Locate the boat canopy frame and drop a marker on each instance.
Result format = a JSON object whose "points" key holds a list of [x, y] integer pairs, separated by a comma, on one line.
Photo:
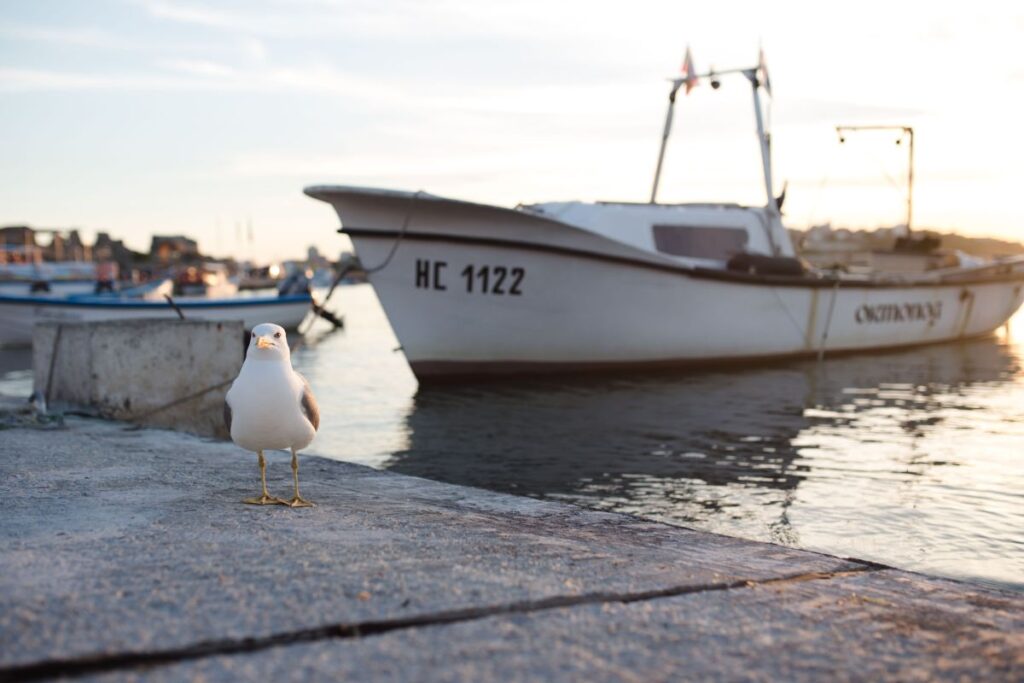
{"points": [[763, 137]]}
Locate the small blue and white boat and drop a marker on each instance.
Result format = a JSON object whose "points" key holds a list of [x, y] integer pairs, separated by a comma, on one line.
{"points": [[19, 313]]}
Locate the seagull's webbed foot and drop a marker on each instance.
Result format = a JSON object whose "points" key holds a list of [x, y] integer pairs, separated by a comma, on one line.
{"points": [[265, 499], [299, 502]]}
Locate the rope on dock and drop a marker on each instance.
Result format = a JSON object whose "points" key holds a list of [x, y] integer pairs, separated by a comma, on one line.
{"points": [[53, 363], [183, 399]]}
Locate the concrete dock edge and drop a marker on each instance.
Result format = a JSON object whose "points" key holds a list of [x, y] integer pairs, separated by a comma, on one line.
{"points": [[128, 556]]}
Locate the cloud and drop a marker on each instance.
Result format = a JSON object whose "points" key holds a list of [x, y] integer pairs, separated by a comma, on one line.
{"points": [[204, 75], [262, 19], [248, 48], [198, 67], [84, 36], [192, 14], [590, 100], [801, 111], [538, 20], [20, 80], [254, 50]]}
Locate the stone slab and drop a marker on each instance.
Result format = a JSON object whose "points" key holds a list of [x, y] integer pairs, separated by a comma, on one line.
{"points": [[120, 541], [879, 626]]}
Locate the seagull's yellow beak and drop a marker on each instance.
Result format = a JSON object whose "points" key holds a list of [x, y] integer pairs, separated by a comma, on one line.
{"points": [[264, 343]]}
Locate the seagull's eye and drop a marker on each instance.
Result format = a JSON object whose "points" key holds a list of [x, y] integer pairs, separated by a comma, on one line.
{"points": [[253, 335], [277, 335]]}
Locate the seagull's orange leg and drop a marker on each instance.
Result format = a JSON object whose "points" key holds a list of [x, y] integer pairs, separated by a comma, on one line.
{"points": [[266, 498], [298, 501]]}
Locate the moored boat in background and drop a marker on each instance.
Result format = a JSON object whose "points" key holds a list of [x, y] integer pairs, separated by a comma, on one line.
{"points": [[20, 313], [61, 278], [473, 289]]}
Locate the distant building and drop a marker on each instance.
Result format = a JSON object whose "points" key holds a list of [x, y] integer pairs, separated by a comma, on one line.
{"points": [[819, 233], [18, 236], [69, 248], [18, 244], [108, 249], [75, 249], [54, 251], [166, 249], [315, 259]]}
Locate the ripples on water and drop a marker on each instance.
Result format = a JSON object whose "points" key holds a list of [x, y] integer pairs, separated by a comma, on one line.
{"points": [[912, 459]]}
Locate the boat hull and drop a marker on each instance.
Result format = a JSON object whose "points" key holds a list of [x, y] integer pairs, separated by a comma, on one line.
{"points": [[578, 314], [20, 313], [473, 290]]}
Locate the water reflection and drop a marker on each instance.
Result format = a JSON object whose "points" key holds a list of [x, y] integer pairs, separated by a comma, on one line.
{"points": [[16, 372], [857, 455]]}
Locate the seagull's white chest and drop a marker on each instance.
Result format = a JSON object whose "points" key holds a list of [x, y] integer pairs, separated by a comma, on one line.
{"points": [[266, 407]]}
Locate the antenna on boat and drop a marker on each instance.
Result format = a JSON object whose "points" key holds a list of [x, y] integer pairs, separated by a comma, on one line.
{"points": [[905, 131], [758, 77]]}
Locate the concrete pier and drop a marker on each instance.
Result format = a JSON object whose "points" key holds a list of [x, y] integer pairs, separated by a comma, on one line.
{"points": [[159, 373], [128, 556]]}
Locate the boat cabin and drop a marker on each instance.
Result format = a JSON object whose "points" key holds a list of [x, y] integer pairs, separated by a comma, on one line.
{"points": [[698, 235]]}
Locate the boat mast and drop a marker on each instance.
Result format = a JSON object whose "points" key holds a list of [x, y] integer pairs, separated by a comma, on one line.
{"points": [[904, 130]]}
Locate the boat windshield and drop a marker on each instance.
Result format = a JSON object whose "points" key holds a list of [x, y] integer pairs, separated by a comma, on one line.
{"points": [[700, 242]]}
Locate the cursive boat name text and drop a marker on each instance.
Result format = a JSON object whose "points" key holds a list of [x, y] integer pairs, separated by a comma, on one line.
{"points": [[495, 280], [898, 313]]}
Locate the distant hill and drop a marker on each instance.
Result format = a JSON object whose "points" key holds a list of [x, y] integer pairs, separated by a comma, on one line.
{"points": [[883, 239], [981, 246]]}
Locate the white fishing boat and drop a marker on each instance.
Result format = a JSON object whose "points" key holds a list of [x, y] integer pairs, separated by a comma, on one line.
{"points": [[19, 313], [473, 289]]}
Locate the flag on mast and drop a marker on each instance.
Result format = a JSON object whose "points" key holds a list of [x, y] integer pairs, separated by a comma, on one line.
{"points": [[689, 73], [762, 68]]}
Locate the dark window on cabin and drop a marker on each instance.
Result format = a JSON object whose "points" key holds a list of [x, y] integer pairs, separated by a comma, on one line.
{"points": [[699, 242]]}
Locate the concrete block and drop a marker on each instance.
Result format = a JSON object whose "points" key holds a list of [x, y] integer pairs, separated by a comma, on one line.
{"points": [[161, 373]]}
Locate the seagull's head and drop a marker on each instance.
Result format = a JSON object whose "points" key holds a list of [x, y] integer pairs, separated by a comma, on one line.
{"points": [[268, 342]]}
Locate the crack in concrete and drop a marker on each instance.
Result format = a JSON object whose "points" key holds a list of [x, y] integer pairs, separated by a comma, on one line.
{"points": [[92, 664]]}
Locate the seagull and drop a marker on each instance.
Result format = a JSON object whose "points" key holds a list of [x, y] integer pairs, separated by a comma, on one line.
{"points": [[269, 405]]}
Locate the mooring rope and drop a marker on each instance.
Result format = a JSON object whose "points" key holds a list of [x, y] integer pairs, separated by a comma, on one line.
{"points": [[183, 399], [53, 363], [381, 266], [828, 321]]}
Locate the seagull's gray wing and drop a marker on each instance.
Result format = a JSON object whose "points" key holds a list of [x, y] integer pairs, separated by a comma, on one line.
{"points": [[227, 415], [308, 404]]}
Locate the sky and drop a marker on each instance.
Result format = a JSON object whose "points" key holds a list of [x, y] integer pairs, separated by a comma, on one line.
{"points": [[205, 118]]}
